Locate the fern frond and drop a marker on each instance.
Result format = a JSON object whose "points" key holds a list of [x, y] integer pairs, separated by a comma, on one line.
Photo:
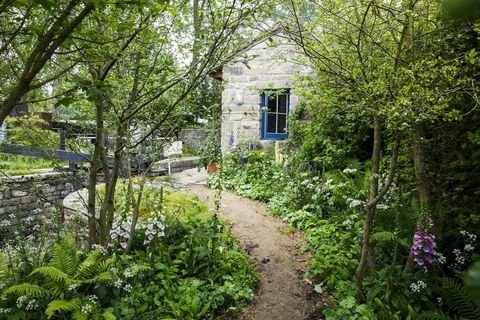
{"points": [[79, 315], [458, 300], [139, 268], [62, 306], [88, 268], [105, 264], [108, 314], [27, 289], [383, 236], [52, 273], [433, 315], [65, 256], [101, 277]]}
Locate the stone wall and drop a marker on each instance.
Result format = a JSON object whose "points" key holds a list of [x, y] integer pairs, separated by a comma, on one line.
{"points": [[36, 195], [176, 165], [265, 67], [194, 138]]}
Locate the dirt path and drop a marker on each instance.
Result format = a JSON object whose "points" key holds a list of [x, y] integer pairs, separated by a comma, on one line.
{"points": [[282, 292]]}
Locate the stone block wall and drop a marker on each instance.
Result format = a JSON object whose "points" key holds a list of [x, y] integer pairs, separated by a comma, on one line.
{"points": [[264, 67], [194, 137], [36, 195]]}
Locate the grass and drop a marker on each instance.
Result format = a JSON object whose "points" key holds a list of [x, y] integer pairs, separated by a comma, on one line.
{"points": [[20, 165]]}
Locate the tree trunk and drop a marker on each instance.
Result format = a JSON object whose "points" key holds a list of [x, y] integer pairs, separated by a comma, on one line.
{"points": [[43, 51], [421, 176], [366, 263], [422, 183]]}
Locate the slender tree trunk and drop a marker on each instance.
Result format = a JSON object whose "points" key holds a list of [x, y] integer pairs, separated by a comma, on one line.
{"points": [[95, 235], [366, 263], [422, 183], [91, 202], [421, 175]]}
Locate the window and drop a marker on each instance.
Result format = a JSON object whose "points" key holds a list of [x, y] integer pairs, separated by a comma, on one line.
{"points": [[275, 108]]}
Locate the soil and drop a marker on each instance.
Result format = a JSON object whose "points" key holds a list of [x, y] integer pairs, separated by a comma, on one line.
{"points": [[282, 293]]}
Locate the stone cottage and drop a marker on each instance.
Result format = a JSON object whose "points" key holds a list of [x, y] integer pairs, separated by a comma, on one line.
{"points": [[258, 90]]}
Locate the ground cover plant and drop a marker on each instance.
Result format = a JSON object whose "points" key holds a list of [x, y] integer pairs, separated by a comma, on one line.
{"points": [[183, 264], [327, 206]]}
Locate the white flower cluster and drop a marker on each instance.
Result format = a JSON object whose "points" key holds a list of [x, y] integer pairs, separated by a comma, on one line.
{"points": [[155, 228], [353, 203], [463, 256], [21, 301], [87, 308], [440, 258], [348, 223], [5, 310], [470, 237], [122, 283], [72, 287], [31, 305], [349, 171], [102, 248], [418, 286]]}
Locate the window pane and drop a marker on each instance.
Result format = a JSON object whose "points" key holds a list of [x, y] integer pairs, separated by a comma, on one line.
{"points": [[282, 103], [272, 102], [271, 125], [282, 123]]}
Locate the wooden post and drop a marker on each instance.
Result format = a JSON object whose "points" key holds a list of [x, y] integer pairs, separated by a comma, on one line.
{"points": [[62, 139]]}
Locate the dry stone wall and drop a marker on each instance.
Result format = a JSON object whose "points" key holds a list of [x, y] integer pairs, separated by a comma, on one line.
{"points": [[37, 195]]}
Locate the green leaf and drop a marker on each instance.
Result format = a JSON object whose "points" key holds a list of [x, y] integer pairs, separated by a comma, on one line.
{"points": [[62, 306], [27, 289]]}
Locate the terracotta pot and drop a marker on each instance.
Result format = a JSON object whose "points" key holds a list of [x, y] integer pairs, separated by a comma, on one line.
{"points": [[212, 168]]}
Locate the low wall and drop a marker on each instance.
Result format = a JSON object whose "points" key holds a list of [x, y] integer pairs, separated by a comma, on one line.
{"points": [[36, 195], [176, 165], [194, 138]]}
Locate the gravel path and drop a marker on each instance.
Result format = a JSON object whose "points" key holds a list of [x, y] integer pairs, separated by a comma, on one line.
{"points": [[282, 292]]}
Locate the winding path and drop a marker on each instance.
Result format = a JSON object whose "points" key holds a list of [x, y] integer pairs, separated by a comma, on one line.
{"points": [[282, 292]]}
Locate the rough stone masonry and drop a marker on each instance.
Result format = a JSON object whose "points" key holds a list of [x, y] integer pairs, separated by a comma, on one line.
{"points": [[36, 195]]}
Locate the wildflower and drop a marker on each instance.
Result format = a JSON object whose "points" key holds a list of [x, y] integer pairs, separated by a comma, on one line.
{"points": [[31, 305], [118, 283], [348, 170], [243, 160], [418, 286], [355, 203], [127, 287], [423, 247], [72, 287], [231, 140], [87, 308], [21, 301], [440, 258]]}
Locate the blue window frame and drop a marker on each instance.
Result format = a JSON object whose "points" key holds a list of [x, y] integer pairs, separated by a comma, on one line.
{"points": [[275, 109]]}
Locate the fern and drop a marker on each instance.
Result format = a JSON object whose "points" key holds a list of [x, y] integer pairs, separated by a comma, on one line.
{"points": [[65, 256], [458, 300], [433, 315], [89, 267], [27, 289], [79, 315], [62, 306], [52, 273], [383, 236], [101, 277]]}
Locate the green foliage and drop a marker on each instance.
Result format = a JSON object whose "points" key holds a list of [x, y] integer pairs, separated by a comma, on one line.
{"points": [[193, 270], [28, 131], [211, 151]]}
